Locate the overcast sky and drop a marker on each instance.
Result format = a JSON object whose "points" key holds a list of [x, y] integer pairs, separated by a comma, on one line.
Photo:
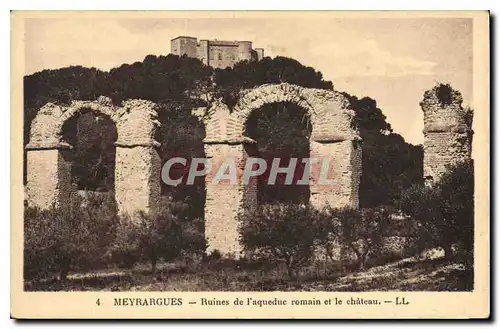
{"points": [[391, 60]]}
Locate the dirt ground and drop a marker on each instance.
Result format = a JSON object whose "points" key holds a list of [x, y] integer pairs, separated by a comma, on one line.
{"points": [[410, 274]]}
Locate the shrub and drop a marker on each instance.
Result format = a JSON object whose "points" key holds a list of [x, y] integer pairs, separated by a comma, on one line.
{"points": [[162, 235], [283, 232], [444, 213], [444, 93], [72, 237], [193, 240], [360, 231], [150, 237], [39, 252]]}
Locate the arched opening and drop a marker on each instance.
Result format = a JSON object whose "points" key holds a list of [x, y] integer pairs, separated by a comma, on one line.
{"points": [[282, 130], [93, 136], [181, 135]]}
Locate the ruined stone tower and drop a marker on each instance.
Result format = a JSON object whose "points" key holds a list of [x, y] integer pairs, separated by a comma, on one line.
{"points": [[447, 130]]}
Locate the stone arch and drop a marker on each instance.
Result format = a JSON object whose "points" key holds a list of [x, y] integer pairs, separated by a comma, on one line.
{"points": [[137, 168], [334, 138], [330, 112]]}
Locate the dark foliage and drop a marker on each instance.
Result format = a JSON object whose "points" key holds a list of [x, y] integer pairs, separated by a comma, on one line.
{"points": [[283, 233], [162, 235], [178, 81], [73, 237], [181, 135], [246, 75], [360, 231], [282, 131], [444, 213], [93, 157], [390, 165], [444, 93]]}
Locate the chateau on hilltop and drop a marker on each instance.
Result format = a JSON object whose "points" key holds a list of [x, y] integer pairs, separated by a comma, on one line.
{"points": [[216, 53]]}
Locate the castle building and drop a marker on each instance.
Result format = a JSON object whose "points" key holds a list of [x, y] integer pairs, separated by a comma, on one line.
{"points": [[216, 53]]}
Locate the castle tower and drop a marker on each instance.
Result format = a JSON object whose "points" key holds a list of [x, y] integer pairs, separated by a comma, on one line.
{"points": [[244, 50], [260, 53], [447, 130], [184, 46], [203, 51]]}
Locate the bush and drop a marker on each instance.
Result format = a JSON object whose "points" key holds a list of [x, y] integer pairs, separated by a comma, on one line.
{"points": [[150, 237], [360, 231], [162, 235], [283, 233], [193, 240], [72, 237], [443, 214]]}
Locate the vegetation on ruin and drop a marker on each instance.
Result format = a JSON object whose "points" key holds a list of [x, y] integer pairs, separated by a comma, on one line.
{"points": [[444, 93], [443, 214]]}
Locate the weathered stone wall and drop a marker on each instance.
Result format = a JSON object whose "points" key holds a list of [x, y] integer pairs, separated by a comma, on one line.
{"points": [[224, 201], [137, 170], [184, 46], [447, 130], [222, 56], [49, 178], [137, 179], [344, 171], [330, 111]]}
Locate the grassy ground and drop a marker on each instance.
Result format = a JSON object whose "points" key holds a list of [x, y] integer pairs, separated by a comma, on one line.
{"points": [[410, 274]]}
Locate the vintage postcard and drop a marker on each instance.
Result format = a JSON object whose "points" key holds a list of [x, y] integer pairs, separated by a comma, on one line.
{"points": [[319, 165]]}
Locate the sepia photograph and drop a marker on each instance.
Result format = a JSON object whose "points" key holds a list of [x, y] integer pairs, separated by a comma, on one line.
{"points": [[251, 152]]}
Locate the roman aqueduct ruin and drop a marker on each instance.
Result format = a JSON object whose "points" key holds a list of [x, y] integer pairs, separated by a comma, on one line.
{"points": [[138, 166]]}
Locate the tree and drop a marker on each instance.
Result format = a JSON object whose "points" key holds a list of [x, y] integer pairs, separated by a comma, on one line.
{"points": [[360, 231], [283, 232], [390, 164], [181, 135], [178, 81], [281, 130], [72, 237], [248, 74], [457, 191], [444, 212], [149, 237], [93, 139]]}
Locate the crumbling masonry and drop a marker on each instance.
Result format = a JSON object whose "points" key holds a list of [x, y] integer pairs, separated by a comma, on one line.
{"points": [[447, 131], [137, 183]]}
